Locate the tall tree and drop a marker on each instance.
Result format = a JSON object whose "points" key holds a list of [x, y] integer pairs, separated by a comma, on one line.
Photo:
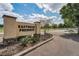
{"points": [[71, 12]]}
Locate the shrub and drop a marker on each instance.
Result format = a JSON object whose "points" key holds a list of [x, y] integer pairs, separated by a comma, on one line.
{"points": [[21, 37], [36, 37], [28, 40], [34, 40], [24, 41]]}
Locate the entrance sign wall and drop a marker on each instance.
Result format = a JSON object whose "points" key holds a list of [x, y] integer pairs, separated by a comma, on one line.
{"points": [[14, 29]]}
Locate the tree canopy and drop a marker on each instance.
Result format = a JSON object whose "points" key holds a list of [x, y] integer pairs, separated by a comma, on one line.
{"points": [[70, 12]]}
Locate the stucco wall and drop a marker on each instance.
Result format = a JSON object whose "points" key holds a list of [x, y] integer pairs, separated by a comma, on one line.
{"points": [[13, 29], [37, 27], [9, 27], [25, 26]]}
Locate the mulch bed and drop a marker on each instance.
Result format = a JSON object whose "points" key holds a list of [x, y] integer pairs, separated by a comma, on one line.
{"points": [[17, 47]]}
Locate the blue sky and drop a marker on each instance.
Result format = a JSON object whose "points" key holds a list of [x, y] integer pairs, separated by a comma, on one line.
{"points": [[26, 8], [50, 10], [29, 8]]}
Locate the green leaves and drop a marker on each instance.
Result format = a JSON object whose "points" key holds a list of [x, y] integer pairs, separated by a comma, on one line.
{"points": [[70, 12], [28, 40]]}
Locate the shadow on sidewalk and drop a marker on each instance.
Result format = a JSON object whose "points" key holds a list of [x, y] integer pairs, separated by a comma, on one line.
{"points": [[72, 36]]}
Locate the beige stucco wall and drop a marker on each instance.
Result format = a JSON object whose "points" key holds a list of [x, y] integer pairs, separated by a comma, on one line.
{"points": [[9, 27], [22, 33], [37, 27], [12, 29]]}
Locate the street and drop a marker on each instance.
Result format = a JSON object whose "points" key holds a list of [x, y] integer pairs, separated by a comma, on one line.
{"points": [[63, 44]]}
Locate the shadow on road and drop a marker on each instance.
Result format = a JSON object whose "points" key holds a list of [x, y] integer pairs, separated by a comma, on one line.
{"points": [[72, 36]]}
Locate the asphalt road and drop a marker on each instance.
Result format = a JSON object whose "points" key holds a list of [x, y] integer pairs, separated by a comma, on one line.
{"points": [[63, 44]]}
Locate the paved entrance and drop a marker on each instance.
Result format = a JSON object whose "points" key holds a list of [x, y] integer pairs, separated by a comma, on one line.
{"points": [[63, 44]]}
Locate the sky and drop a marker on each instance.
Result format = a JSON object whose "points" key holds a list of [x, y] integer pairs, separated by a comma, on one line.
{"points": [[31, 12]]}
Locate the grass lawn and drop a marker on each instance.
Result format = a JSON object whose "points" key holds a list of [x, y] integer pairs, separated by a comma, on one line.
{"points": [[1, 29]]}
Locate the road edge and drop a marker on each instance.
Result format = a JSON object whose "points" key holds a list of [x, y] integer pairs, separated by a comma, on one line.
{"points": [[32, 48]]}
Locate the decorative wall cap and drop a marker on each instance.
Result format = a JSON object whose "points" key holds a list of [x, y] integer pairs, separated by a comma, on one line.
{"points": [[9, 16]]}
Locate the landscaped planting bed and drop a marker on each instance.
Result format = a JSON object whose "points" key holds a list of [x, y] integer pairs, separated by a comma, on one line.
{"points": [[17, 47]]}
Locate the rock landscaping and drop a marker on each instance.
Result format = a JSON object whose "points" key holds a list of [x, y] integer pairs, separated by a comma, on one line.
{"points": [[24, 43]]}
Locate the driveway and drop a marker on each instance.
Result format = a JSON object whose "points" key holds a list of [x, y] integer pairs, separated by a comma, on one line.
{"points": [[63, 44]]}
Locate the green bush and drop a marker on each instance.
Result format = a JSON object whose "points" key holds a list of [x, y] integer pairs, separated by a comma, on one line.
{"points": [[24, 41], [34, 39], [28, 40]]}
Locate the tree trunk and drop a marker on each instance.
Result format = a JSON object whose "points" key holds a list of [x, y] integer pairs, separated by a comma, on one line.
{"points": [[78, 29]]}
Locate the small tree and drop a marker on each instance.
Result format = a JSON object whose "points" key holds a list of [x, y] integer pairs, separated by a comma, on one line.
{"points": [[61, 25], [1, 25], [54, 26], [46, 27]]}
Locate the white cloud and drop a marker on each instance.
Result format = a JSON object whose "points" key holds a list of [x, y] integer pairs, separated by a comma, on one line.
{"points": [[6, 7], [40, 5], [52, 7], [38, 17], [33, 16], [1, 20], [11, 14], [58, 20]]}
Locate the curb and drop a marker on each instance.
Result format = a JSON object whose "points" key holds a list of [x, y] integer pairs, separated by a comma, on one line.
{"points": [[32, 48]]}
